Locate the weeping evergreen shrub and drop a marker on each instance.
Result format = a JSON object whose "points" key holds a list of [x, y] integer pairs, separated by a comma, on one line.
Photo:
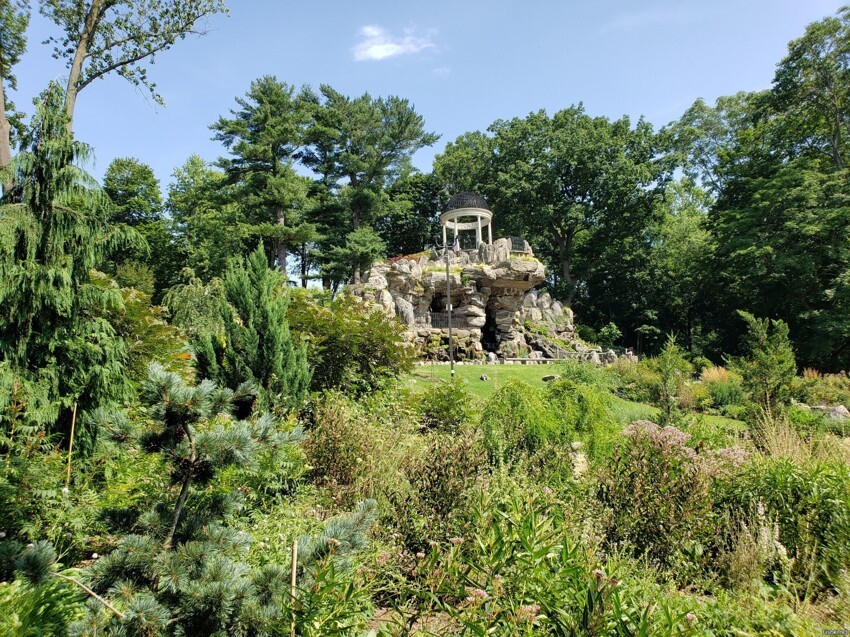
{"points": [[583, 413], [52, 235], [256, 344]]}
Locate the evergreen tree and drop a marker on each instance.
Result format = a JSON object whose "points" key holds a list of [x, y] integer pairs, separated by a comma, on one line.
{"points": [[51, 325], [257, 344], [184, 572], [358, 147], [263, 136], [769, 367], [673, 372]]}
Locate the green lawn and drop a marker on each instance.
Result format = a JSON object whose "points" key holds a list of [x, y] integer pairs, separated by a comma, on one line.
{"points": [[424, 376]]}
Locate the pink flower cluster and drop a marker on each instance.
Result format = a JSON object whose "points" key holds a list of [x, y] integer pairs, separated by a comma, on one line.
{"points": [[671, 439], [528, 612]]}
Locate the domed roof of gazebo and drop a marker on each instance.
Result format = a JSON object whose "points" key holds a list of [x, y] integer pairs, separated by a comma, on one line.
{"points": [[466, 200]]}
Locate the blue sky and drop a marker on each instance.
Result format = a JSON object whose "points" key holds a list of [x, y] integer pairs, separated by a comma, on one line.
{"points": [[462, 63]]}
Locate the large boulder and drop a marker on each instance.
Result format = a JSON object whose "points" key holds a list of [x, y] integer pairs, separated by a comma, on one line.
{"points": [[405, 310]]}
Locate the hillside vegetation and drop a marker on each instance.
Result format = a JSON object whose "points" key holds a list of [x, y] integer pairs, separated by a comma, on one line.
{"points": [[192, 446]]}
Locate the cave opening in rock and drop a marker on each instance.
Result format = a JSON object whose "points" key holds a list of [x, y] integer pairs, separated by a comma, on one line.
{"points": [[438, 304], [489, 335]]}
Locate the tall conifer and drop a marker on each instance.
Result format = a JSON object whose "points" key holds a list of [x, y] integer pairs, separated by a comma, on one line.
{"points": [[52, 325], [257, 344]]}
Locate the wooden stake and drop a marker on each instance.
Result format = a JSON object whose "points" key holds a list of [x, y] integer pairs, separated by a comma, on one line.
{"points": [[292, 585], [71, 446]]}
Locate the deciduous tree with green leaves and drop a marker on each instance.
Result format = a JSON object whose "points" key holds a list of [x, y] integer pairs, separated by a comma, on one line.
{"points": [[134, 191], [573, 184], [104, 36]]}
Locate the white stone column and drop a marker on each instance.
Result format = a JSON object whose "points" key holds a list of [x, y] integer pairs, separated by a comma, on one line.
{"points": [[478, 236], [490, 233]]}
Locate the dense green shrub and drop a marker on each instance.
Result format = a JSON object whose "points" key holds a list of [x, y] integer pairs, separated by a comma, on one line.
{"points": [[35, 503], [446, 406], [353, 347], [516, 420], [49, 609], [657, 494], [609, 335], [359, 448], [635, 380], [809, 502], [256, 344], [148, 336], [183, 571], [583, 414], [724, 386], [809, 421], [337, 441], [439, 480], [814, 388], [517, 570], [585, 373]]}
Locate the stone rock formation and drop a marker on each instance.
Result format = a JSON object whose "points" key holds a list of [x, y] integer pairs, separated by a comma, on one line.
{"points": [[495, 307]]}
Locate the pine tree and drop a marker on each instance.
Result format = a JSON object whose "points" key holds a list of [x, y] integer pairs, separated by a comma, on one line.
{"points": [[257, 344], [263, 136], [185, 573]]}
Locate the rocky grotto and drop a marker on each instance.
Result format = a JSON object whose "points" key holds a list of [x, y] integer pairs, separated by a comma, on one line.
{"points": [[495, 306]]}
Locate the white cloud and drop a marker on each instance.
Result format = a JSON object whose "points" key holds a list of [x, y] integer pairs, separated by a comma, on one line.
{"points": [[377, 44], [442, 70]]}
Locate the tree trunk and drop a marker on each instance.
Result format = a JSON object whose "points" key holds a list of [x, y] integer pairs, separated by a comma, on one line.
{"points": [[303, 265], [184, 490], [280, 214], [178, 511], [565, 249], [80, 53], [355, 224], [5, 137], [835, 140]]}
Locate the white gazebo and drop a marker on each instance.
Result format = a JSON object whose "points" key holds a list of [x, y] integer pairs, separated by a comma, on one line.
{"points": [[467, 211]]}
